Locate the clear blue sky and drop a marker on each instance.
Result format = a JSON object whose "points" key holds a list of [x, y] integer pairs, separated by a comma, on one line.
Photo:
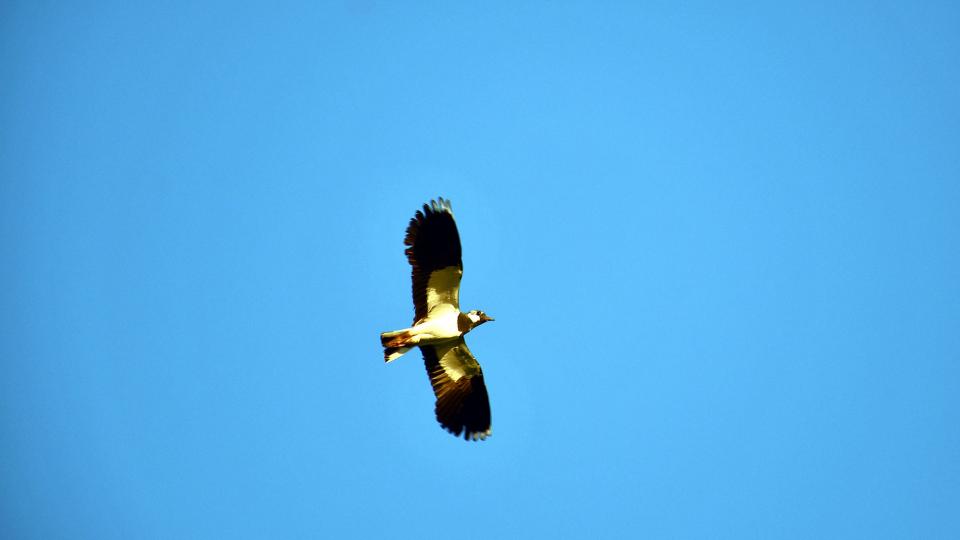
{"points": [[720, 243]]}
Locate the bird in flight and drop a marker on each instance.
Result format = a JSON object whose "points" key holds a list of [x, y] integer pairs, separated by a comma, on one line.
{"points": [[433, 250]]}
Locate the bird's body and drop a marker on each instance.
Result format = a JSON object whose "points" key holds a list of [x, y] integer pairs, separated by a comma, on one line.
{"points": [[443, 324], [439, 326]]}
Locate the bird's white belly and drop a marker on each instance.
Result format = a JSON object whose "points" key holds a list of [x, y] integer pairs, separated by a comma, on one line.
{"points": [[439, 326]]}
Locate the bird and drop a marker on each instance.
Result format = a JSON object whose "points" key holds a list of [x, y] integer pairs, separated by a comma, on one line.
{"points": [[434, 253]]}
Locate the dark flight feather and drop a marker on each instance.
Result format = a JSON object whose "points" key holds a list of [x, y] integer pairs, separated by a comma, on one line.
{"points": [[463, 405], [433, 244]]}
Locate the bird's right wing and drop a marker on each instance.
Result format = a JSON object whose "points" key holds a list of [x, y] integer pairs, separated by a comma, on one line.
{"points": [[462, 402], [433, 250]]}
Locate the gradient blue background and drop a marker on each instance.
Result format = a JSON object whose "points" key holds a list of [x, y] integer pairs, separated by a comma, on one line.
{"points": [[721, 245]]}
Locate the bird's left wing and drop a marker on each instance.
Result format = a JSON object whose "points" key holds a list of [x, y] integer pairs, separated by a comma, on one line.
{"points": [[462, 402], [433, 250]]}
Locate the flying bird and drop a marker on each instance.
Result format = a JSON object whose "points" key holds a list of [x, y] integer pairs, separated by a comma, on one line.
{"points": [[433, 250]]}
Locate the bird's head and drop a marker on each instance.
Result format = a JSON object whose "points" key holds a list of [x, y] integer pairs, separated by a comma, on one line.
{"points": [[478, 317]]}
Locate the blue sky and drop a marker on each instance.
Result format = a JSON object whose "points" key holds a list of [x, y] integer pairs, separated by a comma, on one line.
{"points": [[720, 243]]}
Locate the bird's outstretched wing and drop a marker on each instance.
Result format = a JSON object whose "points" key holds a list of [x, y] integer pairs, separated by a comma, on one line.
{"points": [[462, 402], [433, 249]]}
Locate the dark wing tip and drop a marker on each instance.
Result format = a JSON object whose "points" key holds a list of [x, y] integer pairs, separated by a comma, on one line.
{"points": [[465, 408], [428, 213], [441, 205], [470, 435]]}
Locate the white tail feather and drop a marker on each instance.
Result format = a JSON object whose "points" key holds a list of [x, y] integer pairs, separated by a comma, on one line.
{"points": [[391, 354]]}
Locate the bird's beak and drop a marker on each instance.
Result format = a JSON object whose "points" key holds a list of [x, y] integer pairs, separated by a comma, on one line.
{"points": [[489, 318]]}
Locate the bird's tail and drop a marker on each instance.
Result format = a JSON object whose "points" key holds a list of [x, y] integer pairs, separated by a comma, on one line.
{"points": [[394, 344], [392, 353]]}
